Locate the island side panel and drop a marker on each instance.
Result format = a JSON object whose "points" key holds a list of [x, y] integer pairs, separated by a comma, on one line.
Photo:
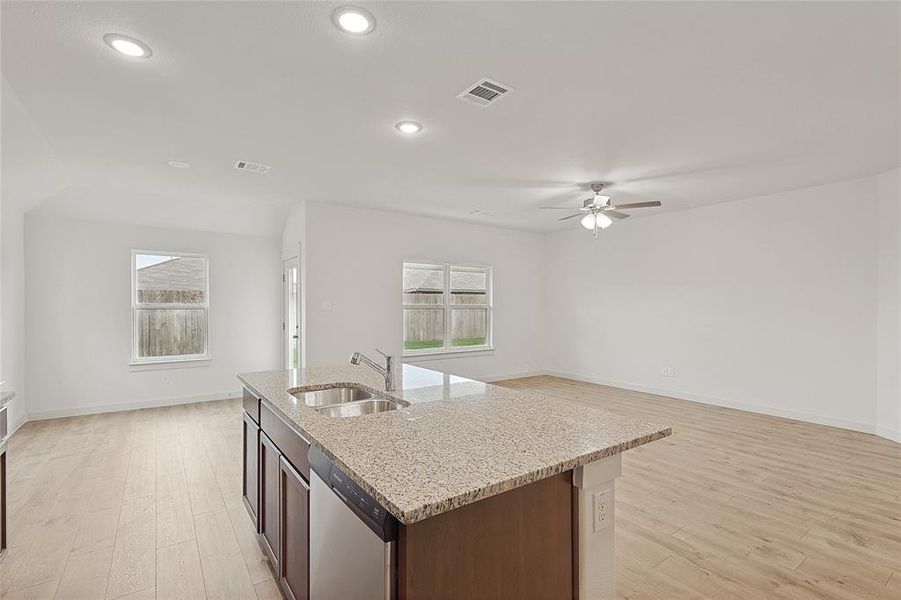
{"points": [[594, 528], [518, 544]]}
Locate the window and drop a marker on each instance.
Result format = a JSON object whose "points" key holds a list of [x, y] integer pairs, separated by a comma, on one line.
{"points": [[170, 305], [447, 308]]}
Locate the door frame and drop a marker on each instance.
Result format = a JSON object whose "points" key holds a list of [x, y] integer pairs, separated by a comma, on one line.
{"points": [[289, 263]]}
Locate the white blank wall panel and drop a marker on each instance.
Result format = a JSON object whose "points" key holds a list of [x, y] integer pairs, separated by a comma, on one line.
{"points": [[766, 303], [354, 263], [79, 322]]}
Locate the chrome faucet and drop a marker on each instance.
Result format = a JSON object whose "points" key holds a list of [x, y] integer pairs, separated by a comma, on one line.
{"points": [[387, 371]]}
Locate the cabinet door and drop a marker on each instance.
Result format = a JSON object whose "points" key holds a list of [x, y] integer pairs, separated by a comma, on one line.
{"points": [[2, 498], [295, 521], [251, 486], [270, 458]]}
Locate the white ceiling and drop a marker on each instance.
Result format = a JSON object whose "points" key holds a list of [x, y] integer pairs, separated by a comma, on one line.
{"points": [[687, 103]]}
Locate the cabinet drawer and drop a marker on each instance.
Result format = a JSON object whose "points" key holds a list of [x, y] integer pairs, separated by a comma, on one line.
{"points": [[252, 406], [291, 444]]}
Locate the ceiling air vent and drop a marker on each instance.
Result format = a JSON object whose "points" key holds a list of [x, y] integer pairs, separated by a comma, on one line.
{"points": [[484, 92], [243, 165]]}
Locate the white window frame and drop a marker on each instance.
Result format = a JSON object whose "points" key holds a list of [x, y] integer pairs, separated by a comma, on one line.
{"points": [[447, 307], [135, 306]]}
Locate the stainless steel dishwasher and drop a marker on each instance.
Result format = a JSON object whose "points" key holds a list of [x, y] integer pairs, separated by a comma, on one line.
{"points": [[353, 539]]}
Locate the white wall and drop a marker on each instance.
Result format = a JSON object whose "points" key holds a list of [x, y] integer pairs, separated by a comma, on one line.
{"points": [[353, 260], [295, 230], [767, 304], [79, 316], [888, 388], [12, 309], [30, 172]]}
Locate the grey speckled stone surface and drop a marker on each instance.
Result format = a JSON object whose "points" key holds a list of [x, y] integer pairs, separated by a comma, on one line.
{"points": [[6, 397], [459, 440]]}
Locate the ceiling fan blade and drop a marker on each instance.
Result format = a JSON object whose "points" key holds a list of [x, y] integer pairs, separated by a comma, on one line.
{"points": [[570, 216], [637, 205], [615, 214]]}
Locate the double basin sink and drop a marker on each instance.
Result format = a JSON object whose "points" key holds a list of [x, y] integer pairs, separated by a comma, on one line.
{"points": [[348, 402]]}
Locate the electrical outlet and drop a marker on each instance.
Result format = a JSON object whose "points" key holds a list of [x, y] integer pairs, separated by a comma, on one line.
{"points": [[165, 379], [601, 510], [669, 371]]}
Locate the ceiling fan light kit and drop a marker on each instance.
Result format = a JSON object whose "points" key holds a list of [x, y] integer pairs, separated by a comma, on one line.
{"points": [[597, 213]]}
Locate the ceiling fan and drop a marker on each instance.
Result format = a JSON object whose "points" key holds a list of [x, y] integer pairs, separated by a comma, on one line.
{"points": [[596, 212]]}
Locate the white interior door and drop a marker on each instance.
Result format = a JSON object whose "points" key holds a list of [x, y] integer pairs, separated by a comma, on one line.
{"points": [[291, 321]]}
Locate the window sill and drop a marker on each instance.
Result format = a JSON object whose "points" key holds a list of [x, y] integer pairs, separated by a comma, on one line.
{"points": [[169, 363], [427, 355]]}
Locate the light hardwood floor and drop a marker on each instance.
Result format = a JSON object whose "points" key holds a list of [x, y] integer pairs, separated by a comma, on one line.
{"points": [[147, 504], [741, 505], [138, 505]]}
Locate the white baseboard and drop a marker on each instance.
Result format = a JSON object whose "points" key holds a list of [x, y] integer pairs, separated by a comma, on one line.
{"points": [[745, 406], [121, 406], [14, 427], [889, 434]]}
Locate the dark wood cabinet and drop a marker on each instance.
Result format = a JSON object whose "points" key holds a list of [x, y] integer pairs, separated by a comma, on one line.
{"points": [[2, 498], [295, 533], [269, 515], [277, 494], [518, 544], [291, 444], [251, 482], [251, 405]]}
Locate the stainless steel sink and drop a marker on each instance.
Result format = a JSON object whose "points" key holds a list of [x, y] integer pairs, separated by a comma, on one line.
{"points": [[358, 409], [331, 396], [348, 402]]}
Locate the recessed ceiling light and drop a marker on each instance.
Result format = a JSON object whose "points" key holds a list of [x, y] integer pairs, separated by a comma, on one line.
{"points": [[409, 127], [128, 46], [177, 164], [354, 20]]}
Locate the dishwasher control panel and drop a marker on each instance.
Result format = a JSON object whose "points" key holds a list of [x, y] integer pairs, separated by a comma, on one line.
{"points": [[376, 517]]}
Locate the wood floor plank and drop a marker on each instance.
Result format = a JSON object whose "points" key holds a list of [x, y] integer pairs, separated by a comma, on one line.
{"points": [[86, 575], [175, 522], [47, 556], [254, 558], [215, 534], [97, 531], [226, 578], [267, 590], [45, 591], [205, 496], [179, 576], [134, 557]]}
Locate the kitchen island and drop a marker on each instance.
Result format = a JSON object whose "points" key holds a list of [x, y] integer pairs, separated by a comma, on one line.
{"points": [[496, 493]]}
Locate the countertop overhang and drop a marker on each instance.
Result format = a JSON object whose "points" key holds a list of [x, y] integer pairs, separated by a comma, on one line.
{"points": [[459, 441]]}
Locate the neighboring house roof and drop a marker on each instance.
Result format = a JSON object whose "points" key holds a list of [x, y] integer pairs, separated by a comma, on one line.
{"points": [[431, 280], [183, 274]]}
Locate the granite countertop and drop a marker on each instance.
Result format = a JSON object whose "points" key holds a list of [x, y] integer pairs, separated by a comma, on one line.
{"points": [[459, 441], [6, 397]]}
